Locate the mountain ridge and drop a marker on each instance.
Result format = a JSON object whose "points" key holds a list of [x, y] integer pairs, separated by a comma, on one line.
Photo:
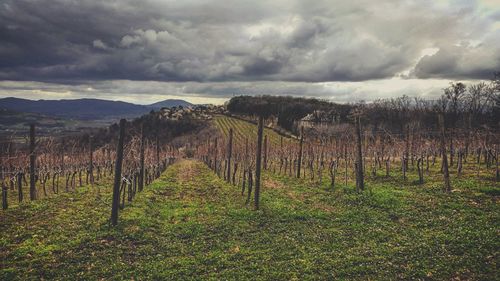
{"points": [[170, 103], [85, 108]]}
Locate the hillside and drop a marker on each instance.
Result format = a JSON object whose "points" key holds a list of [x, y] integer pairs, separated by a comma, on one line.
{"points": [[250, 140], [89, 109], [15, 125], [244, 129], [189, 224], [170, 103], [79, 108]]}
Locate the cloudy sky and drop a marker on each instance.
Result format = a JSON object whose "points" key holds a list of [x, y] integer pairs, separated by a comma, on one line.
{"points": [[207, 51]]}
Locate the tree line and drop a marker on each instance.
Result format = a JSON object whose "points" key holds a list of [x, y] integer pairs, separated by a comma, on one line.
{"points": [[467, 107]]}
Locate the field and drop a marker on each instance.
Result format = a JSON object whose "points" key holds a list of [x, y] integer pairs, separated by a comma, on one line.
{"points": [[15, 124], [243, 129], [189, 224]]}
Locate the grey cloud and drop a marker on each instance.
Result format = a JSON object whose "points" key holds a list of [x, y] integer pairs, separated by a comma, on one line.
{"points": [[462, 61], [210, 41]]}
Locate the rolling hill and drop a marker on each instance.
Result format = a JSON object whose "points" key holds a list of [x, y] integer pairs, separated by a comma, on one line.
{"points": [[170, 103], [87, 109]]}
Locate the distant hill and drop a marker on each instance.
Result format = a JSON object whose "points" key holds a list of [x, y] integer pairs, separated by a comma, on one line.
{"points": [[14, 123], [85, 109], [78, 108], [170, 103]]}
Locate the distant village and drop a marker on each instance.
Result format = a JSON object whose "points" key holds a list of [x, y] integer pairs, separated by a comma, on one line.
{"points": [[200, 112]]}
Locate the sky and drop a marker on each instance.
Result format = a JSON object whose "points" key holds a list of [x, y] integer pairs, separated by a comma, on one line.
{"points": [[207, 51]]}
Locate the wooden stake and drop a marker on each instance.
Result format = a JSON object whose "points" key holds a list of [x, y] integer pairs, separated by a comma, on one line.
{"points": [[118, 175]]}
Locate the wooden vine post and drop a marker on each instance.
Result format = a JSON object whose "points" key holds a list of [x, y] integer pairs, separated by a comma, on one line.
{"points": [[245, 167], [4, 175], [360, 184], [157, 173], [299, 161], [4, 186], [118, 175], [5, 204], [229, 154], [497, 177], [265, 152], [141, 160], [446, 174], [19, 180], [258, 162], [91, 161], [62, 156], [215, 155], [407, 150], [32, 163]]}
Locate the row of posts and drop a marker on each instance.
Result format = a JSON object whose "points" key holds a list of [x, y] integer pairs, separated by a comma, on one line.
{"points": [[118, 170]]}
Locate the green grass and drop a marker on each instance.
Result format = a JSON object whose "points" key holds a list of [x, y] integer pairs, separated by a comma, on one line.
{"points": [[189, 224]]}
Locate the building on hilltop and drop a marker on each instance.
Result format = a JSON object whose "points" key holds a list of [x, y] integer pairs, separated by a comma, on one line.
{"points": [[319, 119]]}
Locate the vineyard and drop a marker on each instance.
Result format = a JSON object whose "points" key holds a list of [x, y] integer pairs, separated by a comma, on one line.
{"points": [[408, 160], [249, 140], [245, 130], [207, 206], [59, 165]]}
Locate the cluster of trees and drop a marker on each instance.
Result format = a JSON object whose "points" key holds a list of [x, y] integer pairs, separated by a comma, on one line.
{"points": [[475, 106], [153, 126], [463, 106], [286, 109]]}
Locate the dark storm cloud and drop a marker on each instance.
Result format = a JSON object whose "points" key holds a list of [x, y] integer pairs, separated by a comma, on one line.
{"points": [[463, 61], [68, 41]]}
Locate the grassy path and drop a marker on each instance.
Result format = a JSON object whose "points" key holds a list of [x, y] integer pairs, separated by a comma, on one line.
{"points": [[191, 225]]}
